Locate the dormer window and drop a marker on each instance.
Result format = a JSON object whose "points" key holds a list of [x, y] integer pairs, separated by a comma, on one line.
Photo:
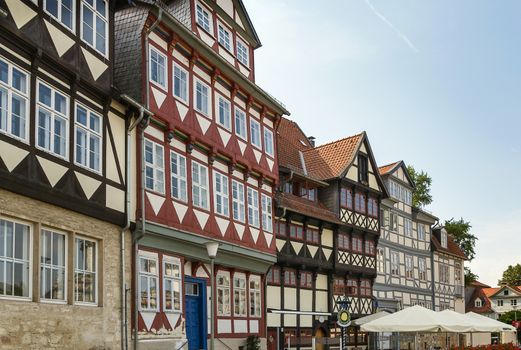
{"points": [[243, 54], [478, 303], [444, 239], [505, 292], [363, 175], [224, 37], [203, 18], [308, 193]]}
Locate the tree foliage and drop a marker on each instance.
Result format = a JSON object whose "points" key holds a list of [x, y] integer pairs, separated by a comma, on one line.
{"points": [[422, 193], [470, 276], [512, 275], [460, 231], [510, 316]]}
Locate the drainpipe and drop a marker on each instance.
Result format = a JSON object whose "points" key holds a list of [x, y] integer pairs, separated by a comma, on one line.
{"points": [[432, 269]]}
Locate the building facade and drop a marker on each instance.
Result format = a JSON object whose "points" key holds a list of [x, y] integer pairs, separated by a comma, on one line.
{"points": [[404, 250], [209, 165], [62, 177], [493, 302], [327, 228]]}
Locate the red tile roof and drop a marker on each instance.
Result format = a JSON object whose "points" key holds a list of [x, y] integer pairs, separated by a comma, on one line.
{"points": [[452, 247], [479, 284], [306, 207], [291, 140], [485, 307], [383, 170]]}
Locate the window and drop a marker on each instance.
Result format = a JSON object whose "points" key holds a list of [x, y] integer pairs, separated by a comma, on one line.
{"points": [[224, 37], [199, 185], [457, 274], [363, 170], [15, 259], [306, 279], [242, 53], [53, 119], [393, 221], [351, 287], [178, 173], [224, 113], [444, 273], [202, 97], [505, 292], [369, 247], [513, 302], [408, 197], [203, 18], [380, 257], [239, 295], [500, 303], [384, 218], [223, 294], [312, 194], [253, 207], [172, 284], [273, 275], [311, 235], [88, 138], [238, 201], [365, 288], [343, 241], [240, 124], [221, 194], [296, 232], [289, 278], [339, 286], [154, 167], [148, 283], [62, 10], [180, 82], [357, 245], [52, 267], [346, 198], [267, 216], [409, 267], [422, 269], [268, 142], [255, 296], [280, 228], [443, 238], [372, 207], [85, 279], [157, 68], [421, 232], [478, 303], [255, 133], [94, 24], [14, 100], [408, 227], [287, 187], [395, 263], [360, 202]]}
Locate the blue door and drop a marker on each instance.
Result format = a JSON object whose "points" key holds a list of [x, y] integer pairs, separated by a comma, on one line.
{"points": [[195, 301]]}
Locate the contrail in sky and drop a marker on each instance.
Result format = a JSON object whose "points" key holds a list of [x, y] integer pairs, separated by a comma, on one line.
{"points": [[396, 30]]}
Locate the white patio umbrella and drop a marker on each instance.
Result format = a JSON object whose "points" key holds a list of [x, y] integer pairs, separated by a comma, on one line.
{"points": [[411, 319], [455, 322], [487, 324]]}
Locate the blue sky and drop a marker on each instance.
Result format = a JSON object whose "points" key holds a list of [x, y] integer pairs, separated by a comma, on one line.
{"points": [[435, 83]]}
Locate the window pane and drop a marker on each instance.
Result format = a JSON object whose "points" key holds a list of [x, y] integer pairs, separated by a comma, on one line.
{"points": [[100, 7], [4, 71], [52, 7], [67, 13], [19, 80], [90, 287], [88, 25], [153, 293], [18, 116], [3, 109], [60, 103], [44, 95], [100, 34], [90, 256]]}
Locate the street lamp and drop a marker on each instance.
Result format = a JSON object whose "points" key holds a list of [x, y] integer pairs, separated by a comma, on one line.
{"points": [[212, 248]]}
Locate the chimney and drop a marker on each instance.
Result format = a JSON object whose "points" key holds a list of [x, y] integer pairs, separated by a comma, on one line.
{"points": [[312, 140]]}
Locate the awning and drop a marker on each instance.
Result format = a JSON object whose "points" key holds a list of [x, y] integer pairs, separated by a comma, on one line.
{"points": [[369, 318]]}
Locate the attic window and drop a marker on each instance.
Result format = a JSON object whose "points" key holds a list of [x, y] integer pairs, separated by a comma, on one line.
{"points": [[478, 303], [203, 18], [505, 292], [363, 176], [444, 239]]}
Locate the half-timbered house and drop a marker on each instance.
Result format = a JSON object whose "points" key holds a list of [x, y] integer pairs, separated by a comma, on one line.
{"points": [[327, 228], [209, 170], [62, 176]]}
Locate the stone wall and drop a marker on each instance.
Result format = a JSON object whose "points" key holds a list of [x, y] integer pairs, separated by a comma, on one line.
{"points": [[35, 324]]}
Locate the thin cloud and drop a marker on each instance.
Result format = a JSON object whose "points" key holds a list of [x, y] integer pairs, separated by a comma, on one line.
{"points": [[392, 26]]}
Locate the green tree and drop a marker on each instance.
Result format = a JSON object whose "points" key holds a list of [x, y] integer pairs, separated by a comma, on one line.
{"points": [[460, 231], [510, 316], [422, 193], [512, 275]]}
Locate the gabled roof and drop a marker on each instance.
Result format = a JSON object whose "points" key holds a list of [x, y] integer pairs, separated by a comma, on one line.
{"points": [[389, 169], [452, 248], [306, 207], [250, 29], [515, 289], [485, 307], [291, 142], [478, 284]]}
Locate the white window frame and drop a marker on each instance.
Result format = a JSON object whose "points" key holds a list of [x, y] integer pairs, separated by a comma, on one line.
{"points": [[255, 296], [478, 303], [59, 17], [240, 291], [395, 263], [89, 133], [199, 187], [380, 257], [239, 117], [164, 69], [238, 204], [221, 194], [53, 115], [178, 176], [421, 231], [422, 269], [253, 207], [208, 112], [224, 41], [95, 272], [225, 290], [95, 15], [407, 227], [25, 96], [53, 267], [267, 213], [13, 260], [268, 142], [149, 276], [158, 170], [183, 91], [172, 279], [443, 239], [409, 266], [243, 54], [255, 133], [203, 9], [226, 122]]}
